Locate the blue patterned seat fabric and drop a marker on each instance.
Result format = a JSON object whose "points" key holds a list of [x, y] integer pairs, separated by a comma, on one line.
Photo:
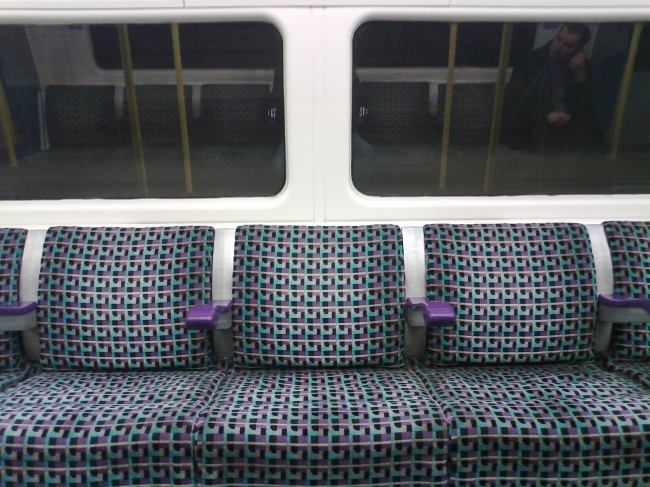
{"points": [[322, 427], [629, 243], [527, 293], [550, 424], [522, 293], [308, 299], [13, 366], [111, 305], [318, 296]]}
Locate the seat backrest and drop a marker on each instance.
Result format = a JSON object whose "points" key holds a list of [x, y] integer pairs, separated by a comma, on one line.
{"points": [[471, 111], [396, 111], [116, 298], [80, 116], [239, 113], [160, 122], [12, 243], [318, 296], [522, 292], [629, 243]]}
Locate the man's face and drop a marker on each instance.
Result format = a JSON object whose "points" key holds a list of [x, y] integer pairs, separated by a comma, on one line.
{"points": [[564, 45]]}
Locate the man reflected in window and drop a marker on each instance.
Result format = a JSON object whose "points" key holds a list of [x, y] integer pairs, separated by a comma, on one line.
{"points": [[550, 97]]}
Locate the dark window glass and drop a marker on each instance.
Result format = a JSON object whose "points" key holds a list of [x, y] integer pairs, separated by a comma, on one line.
{"points": [[78, 136], [556, 132]]}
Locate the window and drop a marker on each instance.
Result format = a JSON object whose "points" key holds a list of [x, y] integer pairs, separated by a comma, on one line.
{"points": [[87, 125], [494, 134]]}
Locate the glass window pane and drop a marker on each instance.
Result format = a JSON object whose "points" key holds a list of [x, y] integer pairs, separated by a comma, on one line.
{"points": [[77, 135], [554, 129]]}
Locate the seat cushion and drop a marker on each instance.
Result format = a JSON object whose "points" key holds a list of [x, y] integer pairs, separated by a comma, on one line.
{"points": [[629, 243], [522, 292], [638, 371], [531, 425], [116, 298], [83, 428], [318, 296], [322, 427]]}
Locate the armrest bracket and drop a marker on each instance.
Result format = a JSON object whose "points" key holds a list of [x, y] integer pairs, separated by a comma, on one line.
{"points": [[423, 312], [215, 315], [616, 308], [18, 316]]}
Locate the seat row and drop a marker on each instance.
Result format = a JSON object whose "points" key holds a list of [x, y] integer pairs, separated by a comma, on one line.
{"points": [[127, 390]]}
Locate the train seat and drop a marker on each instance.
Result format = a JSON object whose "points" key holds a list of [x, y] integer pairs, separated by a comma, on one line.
{"points": [[629, 243], [319, 394], [123, 380], [471, 111], [238, 140], [13, 364], [524, 402]]}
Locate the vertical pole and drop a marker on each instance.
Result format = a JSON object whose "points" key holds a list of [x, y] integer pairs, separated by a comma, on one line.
{"points": [[127, 67], [497, 109], [623, 91], [7, 127], [451, 64], [181, 107]]}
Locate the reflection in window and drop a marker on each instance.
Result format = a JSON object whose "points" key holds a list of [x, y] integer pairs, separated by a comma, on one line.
{"points": [[95, 113], [553, 111]]}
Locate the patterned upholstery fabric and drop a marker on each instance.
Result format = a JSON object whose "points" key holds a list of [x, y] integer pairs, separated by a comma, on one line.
{"points": [[471, 111], [160, 122], [80, 115], [522, 293], [238, 113], [318, 296], [629, 243], [322, 427], [638, 371], [396, 111], [113, 429], [532, 425], [116, 298], [12, 242]]}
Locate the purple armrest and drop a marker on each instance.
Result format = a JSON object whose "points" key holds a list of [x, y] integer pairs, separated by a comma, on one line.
{"points": [[205, 316], [17, 308], [435, 314], [620, 301]]}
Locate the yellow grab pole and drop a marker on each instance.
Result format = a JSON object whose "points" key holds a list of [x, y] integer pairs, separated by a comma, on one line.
{"points": [[7, 127], [451, 64], [497, 109], [127, 67], [185, 139], [623, 91]]}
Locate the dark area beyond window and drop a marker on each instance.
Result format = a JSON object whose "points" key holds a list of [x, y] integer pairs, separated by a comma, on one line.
{"points": [[82, 132], [554, 123]]}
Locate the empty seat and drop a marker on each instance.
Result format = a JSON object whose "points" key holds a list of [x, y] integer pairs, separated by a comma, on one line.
{"points": [[629, 243], [471, 111], [394, 112], [123, 380], [524, 404], [13, 365], [318, 395]]}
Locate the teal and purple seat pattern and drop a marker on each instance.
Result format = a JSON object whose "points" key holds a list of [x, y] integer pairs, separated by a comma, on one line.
{"points": [[318, 296], [103, 429], [116, 298], [306, 426], [543, 424], [111, 304], [522, 293], [629, 243], [12, 359]]}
